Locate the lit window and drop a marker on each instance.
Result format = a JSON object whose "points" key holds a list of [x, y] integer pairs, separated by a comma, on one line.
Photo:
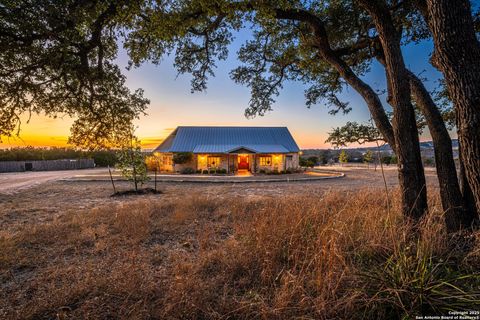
{"points": [[265, 161], [213, 161]]}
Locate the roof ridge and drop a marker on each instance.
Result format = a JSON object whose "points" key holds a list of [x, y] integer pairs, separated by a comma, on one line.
{"points": [[232, 127]]}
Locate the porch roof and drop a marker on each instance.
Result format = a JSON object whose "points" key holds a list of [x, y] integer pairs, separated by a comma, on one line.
{"points": [[230, 148]]}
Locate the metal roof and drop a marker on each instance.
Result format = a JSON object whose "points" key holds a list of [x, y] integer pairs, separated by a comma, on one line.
{"points": [[229, 139]]}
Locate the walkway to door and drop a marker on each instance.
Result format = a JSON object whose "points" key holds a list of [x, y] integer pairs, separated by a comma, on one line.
{"points": [[243, 173]]}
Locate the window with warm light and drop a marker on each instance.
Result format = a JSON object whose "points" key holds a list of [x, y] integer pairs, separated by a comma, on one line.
{"points": [[213, 161], [276, 160], [265, 161]]}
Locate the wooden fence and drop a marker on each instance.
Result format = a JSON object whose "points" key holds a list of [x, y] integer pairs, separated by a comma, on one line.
{"points": [[46, 165]]}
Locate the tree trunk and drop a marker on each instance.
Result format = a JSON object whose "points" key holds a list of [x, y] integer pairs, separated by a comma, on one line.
{"points": [[411, 175], [457, 215], [467, 194], [457, 56]]}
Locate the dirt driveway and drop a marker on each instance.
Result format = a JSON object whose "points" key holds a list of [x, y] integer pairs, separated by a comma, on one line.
{"points": [[14, 182]]}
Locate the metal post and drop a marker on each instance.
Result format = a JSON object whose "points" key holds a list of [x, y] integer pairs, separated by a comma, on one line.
{"points": [[155, 179], [111, 179]]}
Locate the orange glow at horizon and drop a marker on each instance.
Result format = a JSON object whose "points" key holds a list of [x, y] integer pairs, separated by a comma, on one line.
{"points": [[42, 131]]}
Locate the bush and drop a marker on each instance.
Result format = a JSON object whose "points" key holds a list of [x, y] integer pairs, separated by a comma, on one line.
{"points": [[182, 157], [221, 171], [187, 170], [199, 171], [205, 171], [394, 160], [262, 171]]}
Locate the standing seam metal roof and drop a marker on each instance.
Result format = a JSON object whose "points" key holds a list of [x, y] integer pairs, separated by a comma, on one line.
{"points": [[225, 139]]}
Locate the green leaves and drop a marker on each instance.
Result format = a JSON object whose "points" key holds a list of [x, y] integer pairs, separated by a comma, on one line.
{"points": [[131, 162], [353, 132], [412, 281], [58, 58]]}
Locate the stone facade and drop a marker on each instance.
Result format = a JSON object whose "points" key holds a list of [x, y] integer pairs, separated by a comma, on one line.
{"points": [[230, 162]]}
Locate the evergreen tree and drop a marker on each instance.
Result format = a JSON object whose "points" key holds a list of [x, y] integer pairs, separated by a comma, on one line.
{"points": [[368, 157], [343, 157]]}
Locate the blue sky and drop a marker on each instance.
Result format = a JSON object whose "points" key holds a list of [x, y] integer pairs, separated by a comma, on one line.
{"points": [[224, 102]]}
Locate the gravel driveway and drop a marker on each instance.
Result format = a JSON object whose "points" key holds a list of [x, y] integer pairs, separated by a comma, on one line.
{"points": [[17, 181]]}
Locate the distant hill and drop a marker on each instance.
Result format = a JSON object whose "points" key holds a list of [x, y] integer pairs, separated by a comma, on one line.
{"points": [[426, 148]]}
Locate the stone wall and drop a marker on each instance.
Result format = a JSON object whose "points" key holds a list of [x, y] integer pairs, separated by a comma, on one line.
{"points": [[279, 162]]}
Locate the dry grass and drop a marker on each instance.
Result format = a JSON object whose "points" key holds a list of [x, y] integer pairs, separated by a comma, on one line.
{"points": [[337, 255]]}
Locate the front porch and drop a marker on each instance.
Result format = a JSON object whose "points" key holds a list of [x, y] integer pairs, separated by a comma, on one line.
{"points": [[244, 162], [238, 162]]}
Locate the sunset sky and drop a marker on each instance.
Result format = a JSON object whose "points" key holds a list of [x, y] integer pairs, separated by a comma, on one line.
{"points": [[224, 103]]}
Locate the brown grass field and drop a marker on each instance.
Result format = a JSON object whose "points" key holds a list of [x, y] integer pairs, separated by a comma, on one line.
{"points": [[319, 250]]}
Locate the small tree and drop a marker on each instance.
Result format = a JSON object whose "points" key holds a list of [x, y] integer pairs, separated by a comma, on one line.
{"points": [[368, 157], [131, 162], [343, 157], [386, 160]]}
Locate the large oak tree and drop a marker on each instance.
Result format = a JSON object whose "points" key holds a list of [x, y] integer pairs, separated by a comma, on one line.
{"points": [[457, 56], [57, 57]]}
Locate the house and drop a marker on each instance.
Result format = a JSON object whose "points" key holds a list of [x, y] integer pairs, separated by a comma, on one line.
{"points": [[229, 148]]}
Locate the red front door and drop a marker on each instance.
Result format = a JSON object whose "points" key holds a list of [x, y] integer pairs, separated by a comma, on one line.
{"points": [[242, 162]]}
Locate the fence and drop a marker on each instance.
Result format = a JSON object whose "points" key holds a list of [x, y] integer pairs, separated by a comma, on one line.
{"points": [[46, 165]]}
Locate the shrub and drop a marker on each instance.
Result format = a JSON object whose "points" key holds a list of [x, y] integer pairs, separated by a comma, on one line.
{"points": [[199, 171], [187, 170], [394, 159], [182, 157], [262, 171], [205, 171], [412, 280], [221, 171]]}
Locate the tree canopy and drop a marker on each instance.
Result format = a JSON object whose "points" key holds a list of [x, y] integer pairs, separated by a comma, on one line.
{"points": [[57, 58]]}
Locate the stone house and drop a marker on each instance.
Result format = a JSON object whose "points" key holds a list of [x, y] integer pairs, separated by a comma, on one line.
{"points": [[234, 149]]}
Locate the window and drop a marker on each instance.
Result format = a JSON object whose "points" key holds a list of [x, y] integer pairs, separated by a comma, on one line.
{"points": [[213, 161], [265, 161]]}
